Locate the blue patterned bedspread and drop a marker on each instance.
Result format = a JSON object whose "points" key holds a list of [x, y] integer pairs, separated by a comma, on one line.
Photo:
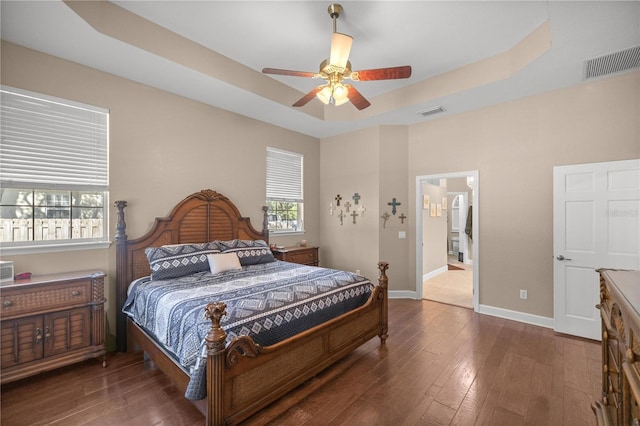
{"points": [[269, 302]]}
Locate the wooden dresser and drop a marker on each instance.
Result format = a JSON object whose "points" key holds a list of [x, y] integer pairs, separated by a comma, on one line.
{"points": [[620, 313], [50, 321], [295, 254]]}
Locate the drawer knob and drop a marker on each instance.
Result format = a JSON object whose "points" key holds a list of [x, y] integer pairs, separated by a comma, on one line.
{"points": [[75, 293], [7, 303]]}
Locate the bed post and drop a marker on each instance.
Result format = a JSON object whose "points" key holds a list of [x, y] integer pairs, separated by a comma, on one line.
{"points": [[382, 284], [121, 278], [265, 223], [216, 342]]}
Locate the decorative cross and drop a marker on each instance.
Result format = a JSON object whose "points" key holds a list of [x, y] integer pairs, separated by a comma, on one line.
{"points": [[331, 209], [402, 217], [353, 215], [341, 216], [393, 205], [347, 206], [356, 198], [338, 198], [361, 209], [386, 217]]}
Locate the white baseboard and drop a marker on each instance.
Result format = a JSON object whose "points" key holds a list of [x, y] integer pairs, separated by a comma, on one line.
{"points": [[435, 273], [402, 294], [488, 310], [516, 316]]}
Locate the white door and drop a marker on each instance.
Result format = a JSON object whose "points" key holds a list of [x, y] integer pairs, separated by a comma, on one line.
{"points": [[596, 224]]}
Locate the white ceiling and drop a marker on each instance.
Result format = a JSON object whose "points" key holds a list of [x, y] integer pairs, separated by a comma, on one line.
{"points": [[433, 37]]}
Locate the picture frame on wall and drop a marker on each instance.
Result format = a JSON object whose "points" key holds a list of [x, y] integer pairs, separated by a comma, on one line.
{"points": [[425, 202], [444, 203]]}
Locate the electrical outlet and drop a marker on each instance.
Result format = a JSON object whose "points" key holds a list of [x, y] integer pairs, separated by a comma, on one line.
{"points": [[523, 294]]}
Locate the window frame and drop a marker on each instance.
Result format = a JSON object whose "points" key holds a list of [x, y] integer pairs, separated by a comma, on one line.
{"points": [[18, 177], [275, 193]]}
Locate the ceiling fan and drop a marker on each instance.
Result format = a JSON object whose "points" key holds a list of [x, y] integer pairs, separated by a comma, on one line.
{"points": [[337, 68]]}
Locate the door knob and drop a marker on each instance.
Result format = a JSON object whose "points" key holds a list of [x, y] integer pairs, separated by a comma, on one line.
{"points": [[561, 257]]}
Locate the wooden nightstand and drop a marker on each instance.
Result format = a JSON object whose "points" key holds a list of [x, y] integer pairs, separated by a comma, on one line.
{"points": [[51, 321], [294, 254]]}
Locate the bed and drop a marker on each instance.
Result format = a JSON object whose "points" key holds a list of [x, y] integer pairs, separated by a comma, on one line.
{"points": [[241, 376]]}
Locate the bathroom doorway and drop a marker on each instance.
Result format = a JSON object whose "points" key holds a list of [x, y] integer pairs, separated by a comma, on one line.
{"points": [[446, 240]]}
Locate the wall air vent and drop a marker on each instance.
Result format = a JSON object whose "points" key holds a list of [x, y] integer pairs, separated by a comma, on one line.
{"points": [[431, 111], [613, 62]]}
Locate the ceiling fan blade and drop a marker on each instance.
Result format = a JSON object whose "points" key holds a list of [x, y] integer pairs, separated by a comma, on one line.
{"points": [[340, 48], [306, 98], [289, 72], [356, 98], [382, 73]]}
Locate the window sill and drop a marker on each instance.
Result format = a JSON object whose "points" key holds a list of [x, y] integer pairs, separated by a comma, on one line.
{"points": [[54, 248], [286, 233]]}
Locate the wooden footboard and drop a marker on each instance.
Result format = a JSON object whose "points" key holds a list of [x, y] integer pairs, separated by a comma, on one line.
{"points": [[242, 377], [246, 377]]}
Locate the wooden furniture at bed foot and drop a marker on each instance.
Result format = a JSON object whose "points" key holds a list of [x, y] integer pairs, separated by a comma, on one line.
{"points": [[295, 254], [620, 314], [51, 321]]}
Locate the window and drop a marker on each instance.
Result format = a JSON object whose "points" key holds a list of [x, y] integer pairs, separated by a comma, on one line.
{"points": [[284, 191], [53, 173]]}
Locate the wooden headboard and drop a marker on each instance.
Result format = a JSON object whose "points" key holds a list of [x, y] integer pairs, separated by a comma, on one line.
{"points": [[201, 217]]}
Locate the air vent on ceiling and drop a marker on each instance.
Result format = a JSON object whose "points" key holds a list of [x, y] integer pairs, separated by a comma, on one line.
{"points": [[613, 62], [431, 111]]}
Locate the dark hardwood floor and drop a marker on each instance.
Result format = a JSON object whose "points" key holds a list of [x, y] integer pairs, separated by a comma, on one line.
{"points": [[442, 365]]}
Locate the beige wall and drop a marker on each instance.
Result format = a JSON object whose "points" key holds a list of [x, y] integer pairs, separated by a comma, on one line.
{"points": [[515, 146], [393, 184], [349, 164], [162, 148], [434, 231], [373, 163]]}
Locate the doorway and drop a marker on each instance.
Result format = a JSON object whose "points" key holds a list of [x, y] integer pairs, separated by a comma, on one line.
{"points": [[435, 249]]}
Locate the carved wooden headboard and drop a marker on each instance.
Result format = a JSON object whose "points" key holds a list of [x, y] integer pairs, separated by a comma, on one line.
{"points": [[201, 217]]}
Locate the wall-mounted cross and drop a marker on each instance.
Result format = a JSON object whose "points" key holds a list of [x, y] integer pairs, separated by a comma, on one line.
{"points": [[338, 198], [386, 217], [361, 209], [402, 217], [341, 216], [393, 205], [353, 215], [356, 198], [347, 206]]}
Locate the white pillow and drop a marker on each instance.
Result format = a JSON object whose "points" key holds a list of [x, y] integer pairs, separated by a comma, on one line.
{"points": [[223, 262]]}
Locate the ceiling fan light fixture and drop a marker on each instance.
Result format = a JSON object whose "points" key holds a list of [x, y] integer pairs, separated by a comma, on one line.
{"points": [[336, 68]]}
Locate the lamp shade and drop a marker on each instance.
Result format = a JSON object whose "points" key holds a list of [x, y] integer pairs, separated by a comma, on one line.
{"points": [[340, 48], [324, 95]]}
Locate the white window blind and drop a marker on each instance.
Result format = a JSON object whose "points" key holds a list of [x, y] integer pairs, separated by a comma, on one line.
{"points": [[52, 143], [284, 176]]}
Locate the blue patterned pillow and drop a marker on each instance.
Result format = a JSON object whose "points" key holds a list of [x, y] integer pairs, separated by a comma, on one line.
{"points": [[179, 260], [250, 252]]}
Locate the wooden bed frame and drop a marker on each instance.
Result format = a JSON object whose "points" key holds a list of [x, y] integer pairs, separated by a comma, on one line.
{"points": [[242, 377]]}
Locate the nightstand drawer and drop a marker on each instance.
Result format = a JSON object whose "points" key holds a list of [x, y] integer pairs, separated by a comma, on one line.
{"points": [[302, 255], [305, 257], [16, 302]]}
